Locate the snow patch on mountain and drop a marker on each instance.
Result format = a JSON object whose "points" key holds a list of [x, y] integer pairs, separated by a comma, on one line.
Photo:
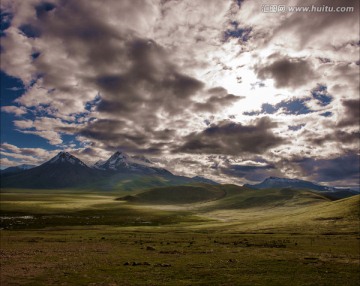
{"points": [[121, 161]]}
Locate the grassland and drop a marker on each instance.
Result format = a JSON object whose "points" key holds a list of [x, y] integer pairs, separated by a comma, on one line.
{"points": [[272, 237]]}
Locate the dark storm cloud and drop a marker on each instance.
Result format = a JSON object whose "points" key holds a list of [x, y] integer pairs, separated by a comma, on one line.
{"points": [[115, 134], [330, 170], [99, 130], [287, 72], [339, 136], [251, 173], [151, 83], [351, 114], [227, 137], [215, 103], [88, 36]]}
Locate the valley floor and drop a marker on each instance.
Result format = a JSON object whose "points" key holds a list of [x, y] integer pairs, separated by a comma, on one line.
{"points": [[55, 240], [118, 256]]}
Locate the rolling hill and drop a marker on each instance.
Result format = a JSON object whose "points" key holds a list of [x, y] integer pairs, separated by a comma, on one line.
{"points": [[178, 195], [226, 197]]}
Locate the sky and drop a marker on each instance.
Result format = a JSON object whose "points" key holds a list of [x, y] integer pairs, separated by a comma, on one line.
{"points": [[225, 89]]}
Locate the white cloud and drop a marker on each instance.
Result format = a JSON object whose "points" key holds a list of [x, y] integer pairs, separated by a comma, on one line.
{"points": [[18, 111]]}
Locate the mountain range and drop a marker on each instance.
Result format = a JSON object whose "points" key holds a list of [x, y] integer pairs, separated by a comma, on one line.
{"points": [[124, 172], [297, 184], [120, 171], [16, 169]]}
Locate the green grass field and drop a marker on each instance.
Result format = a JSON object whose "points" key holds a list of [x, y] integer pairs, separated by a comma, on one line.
{"points": [[245, 237]]}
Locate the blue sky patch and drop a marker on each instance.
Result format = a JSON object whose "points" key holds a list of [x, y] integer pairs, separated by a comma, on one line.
{"points": [[238, 32], [5, 22], [35, 55], [321, 94], [296, 127], [293, 106], [43, 8], [30, 31], [11, 88], [326, 114]]}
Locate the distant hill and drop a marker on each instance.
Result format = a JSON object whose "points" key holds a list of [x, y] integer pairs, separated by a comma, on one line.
{"points": [[178, 194], [245, 198], [204, 180], [226, 197]]}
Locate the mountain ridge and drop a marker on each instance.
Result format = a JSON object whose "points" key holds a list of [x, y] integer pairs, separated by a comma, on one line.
{"points": [[283, 183], [16, 169], [119, 171]]}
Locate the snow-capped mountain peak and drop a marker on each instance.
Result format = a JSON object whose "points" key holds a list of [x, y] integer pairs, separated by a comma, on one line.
{"points": [[118, 159], [122, 162], [65, 157]]}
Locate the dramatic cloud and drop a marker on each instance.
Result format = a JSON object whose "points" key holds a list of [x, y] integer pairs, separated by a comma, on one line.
{"points": [[232, 138], [250, 172], [18, 156], [221, 82], [287, 72], [333, 170], [14, 109], [351, 114]]}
